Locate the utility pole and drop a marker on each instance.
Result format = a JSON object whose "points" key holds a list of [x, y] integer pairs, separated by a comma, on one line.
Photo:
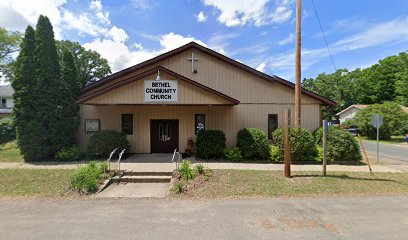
{"points": [[325, 130], [298, 100], [287, 154]]}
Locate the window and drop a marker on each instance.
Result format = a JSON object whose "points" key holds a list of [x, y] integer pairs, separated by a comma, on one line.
{"points": [[199, 122], [272, 124], [127, 124], [3, 103]]}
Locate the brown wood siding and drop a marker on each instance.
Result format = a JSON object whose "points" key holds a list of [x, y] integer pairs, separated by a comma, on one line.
{"points": [[225, 78], [227, 118], [133, 93]]}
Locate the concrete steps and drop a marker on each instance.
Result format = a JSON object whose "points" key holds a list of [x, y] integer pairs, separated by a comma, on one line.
{"points": [[143, 177]]}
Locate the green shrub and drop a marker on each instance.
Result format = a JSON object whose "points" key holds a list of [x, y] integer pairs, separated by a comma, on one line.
{"points": [[10, 145], [275, 154], [101, 144], [253, 144], [7, 131], [87, 178], [210, 144], [395, 120], [233, 154], [200, 168], [68, 154], [179, 188], [185, 170], [302, 145], [319, 156], [341, 145]]}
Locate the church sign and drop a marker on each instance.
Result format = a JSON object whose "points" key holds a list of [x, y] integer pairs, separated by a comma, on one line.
{"points": [[161, 90]]}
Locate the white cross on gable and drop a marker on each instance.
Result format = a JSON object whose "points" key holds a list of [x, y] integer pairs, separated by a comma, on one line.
{"points": [[193, 59]]}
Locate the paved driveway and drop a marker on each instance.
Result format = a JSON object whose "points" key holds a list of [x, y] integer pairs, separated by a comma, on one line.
{"points": [[381, 217], [387, 151]]}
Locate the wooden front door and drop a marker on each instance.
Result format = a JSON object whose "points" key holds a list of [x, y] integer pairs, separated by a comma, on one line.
{"points": [[164, 135]]}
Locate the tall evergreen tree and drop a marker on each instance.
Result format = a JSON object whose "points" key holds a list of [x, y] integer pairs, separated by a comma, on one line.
{"points": [[23, 83], [50, 91], [69, 112]]}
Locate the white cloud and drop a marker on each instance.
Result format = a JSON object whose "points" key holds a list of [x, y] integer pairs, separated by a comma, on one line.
{"points": [[171, 41], [261, 67], [256, 12], [118, 34], [289, 39], [201, 17], [17, 14], [120, 56], [138, 46]]}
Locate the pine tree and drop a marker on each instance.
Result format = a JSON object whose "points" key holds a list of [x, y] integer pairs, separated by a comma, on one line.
{"points": [[49, 92], [23, 84], [69, 115]]}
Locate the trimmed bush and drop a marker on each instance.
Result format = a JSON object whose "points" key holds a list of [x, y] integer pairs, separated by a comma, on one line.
{"points": [[233, 154], [87, 178], [68, 154], [275, 154], [7, 131], [210, 144], [101, 144], [341, 145], [302, 145], [253, 144]]}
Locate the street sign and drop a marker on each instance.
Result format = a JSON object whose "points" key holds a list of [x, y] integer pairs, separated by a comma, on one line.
{"points": [[377, 120]]}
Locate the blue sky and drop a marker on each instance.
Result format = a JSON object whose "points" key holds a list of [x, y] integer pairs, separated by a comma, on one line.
{"points": [[258, 33]]}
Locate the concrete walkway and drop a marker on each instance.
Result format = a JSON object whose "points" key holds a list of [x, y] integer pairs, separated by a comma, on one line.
{"points": [[166, 167]]}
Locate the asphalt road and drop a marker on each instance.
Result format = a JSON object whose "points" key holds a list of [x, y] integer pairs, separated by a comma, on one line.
{"points": [[387, 151], [380, 217]]}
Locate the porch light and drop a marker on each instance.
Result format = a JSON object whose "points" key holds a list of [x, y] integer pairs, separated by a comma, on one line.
{"points": [[158, 75]]}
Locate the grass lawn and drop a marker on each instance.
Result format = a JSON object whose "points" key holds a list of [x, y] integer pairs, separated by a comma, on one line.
{"points": [[251, 183], [9, 152], [34, 182], [393, 140]]}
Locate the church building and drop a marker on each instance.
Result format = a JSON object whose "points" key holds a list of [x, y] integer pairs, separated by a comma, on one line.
{"points": [[161, 103]]}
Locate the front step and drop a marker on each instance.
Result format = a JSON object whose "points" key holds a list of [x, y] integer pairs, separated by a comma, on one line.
{"points": [[143, 177], [148, 173]]}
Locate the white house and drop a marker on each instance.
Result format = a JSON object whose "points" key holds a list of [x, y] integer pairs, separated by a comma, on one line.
{"points": [[350, 112], [7, 102]]}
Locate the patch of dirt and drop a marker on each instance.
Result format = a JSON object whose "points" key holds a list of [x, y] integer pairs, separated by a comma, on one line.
{"points": [[267, 224]]}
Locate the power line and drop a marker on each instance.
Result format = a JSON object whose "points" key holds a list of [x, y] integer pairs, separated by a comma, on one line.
{"points": [[324, 36]]}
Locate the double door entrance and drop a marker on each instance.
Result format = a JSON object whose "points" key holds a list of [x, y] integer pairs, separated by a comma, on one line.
{"points": [[164, 135]]}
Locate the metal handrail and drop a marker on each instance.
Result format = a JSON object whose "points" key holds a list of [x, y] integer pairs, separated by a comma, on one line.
{"points": [[172, 160], [110, 157], [120, 157]]}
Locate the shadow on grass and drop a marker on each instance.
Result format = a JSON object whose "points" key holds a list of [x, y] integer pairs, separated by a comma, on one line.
{"points": [[345, 176]]}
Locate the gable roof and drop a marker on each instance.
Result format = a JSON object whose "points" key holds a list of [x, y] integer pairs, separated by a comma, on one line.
{"points": [[193, 45], [359, 106], [102, 90]]}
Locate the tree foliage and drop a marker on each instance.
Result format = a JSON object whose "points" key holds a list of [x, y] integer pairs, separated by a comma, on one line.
{"points": [[90, 64], [9, 44], [395, 120], [24, 85], [45, 109], [382, 82]]}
